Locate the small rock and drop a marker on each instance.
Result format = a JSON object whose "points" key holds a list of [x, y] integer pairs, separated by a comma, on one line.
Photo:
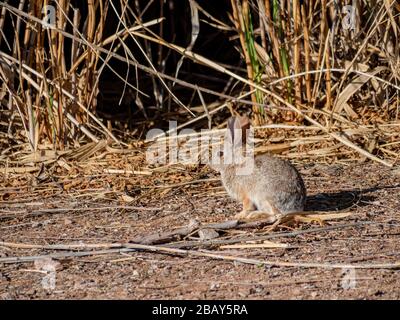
{"points": [[134, 216], [135, 274], [208, 234], [214, 286]]}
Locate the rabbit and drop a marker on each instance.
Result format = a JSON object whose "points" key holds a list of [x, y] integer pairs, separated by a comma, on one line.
{"points": [[270, 189]]}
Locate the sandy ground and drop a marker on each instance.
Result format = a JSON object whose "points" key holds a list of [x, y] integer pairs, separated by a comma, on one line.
{"points": [[85, 206]]}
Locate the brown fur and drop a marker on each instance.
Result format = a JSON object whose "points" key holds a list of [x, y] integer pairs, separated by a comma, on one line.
{"points": [[274, 186]]}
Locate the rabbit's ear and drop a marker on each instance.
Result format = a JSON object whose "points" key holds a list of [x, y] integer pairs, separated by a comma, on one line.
{"points": [[232, 123], [244, 121], [244, 124], [237, 129]]}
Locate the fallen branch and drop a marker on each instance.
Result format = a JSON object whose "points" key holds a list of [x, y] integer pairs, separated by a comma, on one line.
{"points": [[218, 242], [62, 210], [178, 234], [134, 247], [62, 255], [162, 237]]}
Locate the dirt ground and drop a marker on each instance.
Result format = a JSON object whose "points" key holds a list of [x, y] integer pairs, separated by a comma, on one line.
{"points": [[84, 204]]}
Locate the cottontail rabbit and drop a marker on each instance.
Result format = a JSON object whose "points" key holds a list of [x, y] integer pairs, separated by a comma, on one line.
{"points": [[268, 187]]}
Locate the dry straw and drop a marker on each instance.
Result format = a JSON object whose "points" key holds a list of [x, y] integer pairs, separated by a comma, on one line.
{"points": [[323, 64]]}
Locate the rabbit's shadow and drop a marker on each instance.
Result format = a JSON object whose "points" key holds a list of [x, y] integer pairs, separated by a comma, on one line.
{"points": [[342, 200]]}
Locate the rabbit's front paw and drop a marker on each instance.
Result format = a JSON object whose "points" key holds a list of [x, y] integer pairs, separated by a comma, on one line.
{"points": [[261, 215], [242, 215]]}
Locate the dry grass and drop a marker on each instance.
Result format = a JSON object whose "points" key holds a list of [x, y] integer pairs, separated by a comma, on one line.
{"points": [[304, 64]]}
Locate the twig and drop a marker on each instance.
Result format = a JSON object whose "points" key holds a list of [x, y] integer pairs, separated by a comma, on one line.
{"points": [[217, 242], [130, 246], [26, 259], [164, 237], [61, 210]]}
